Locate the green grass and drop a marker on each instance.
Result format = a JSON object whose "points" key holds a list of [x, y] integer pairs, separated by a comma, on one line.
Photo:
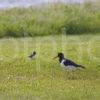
{"points": [[43, 78], [49, 20]]}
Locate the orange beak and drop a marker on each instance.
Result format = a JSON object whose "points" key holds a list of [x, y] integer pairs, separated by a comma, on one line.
{"points": [[55, 57]]}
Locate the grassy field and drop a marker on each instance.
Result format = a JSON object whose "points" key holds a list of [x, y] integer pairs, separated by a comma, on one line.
{"points": [[43, 78], [50, 20]]}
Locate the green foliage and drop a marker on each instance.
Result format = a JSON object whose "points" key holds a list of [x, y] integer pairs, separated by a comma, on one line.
{"points": [[50, 19]]}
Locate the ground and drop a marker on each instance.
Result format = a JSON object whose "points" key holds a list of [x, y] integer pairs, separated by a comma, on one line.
{"points": [[44, 78]]}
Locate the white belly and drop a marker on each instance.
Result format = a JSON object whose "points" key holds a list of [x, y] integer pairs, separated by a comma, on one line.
{"points": [[62, 63], [69, 67]]}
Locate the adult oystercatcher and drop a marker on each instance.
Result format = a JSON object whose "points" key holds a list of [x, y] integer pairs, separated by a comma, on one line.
{"points": [[66, 63], [33, 55]]}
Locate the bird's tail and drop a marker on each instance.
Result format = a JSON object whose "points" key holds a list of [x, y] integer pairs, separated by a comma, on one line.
{"points": [[80, 66]]}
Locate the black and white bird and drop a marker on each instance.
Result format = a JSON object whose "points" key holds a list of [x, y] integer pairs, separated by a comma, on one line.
{"points": [[32, 56], [68, 64]]}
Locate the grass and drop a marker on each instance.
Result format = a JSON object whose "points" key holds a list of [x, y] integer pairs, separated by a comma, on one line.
{"points": [[49, 20], [43, 78]]}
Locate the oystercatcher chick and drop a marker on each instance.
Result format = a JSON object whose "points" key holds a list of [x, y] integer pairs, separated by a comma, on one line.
{"points": [[68, 64], [32, 56]]}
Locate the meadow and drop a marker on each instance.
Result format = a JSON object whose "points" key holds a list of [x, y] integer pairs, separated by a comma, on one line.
{"points": [[44, 78], [73, 29], [50, 19]]}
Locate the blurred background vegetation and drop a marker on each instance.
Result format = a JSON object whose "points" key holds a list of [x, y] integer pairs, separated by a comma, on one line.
{"points": [[51, 19]]}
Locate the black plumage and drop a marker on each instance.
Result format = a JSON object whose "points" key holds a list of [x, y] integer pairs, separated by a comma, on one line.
{"points": [[32, 56], [67, 63]]}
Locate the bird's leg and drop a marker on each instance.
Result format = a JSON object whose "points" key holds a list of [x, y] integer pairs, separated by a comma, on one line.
{"points": [[69, 74], [72, 75]]}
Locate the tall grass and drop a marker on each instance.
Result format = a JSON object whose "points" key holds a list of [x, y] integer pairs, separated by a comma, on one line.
{"points": [[50, 19]]}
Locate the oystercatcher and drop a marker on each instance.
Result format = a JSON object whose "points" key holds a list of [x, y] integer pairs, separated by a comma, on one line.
{"points": [[66, 63], [33, 55]]}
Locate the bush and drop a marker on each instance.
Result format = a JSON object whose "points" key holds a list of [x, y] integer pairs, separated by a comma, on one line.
{"points": [[51, 19]]}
